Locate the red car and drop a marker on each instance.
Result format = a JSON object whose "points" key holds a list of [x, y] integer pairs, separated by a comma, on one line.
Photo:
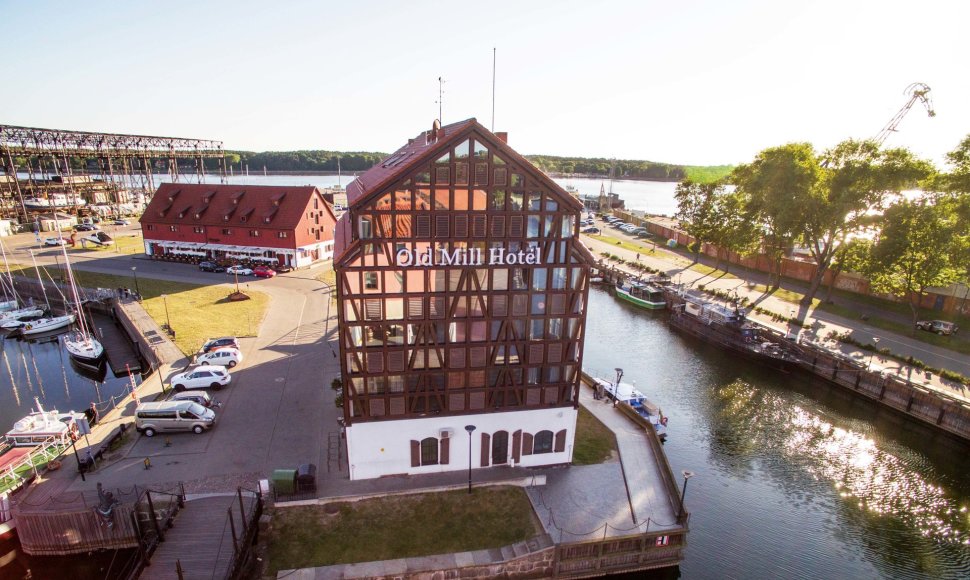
{"points": [[264, 272]]}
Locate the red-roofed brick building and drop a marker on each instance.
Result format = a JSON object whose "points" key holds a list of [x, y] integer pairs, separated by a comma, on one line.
{"points": [[274, 225]]}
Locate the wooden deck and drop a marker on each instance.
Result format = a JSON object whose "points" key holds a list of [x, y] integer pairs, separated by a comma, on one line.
{"points": [[117, 346], [201, 540]]}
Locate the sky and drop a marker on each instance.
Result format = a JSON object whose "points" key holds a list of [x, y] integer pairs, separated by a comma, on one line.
{"points": [[698, 82]]}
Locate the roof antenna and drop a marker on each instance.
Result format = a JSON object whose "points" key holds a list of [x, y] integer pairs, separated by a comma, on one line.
{"points": [[441, 92], [493, 89]]}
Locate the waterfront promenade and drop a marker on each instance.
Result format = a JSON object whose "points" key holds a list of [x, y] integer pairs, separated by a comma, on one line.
{"points": [[822, 322]]}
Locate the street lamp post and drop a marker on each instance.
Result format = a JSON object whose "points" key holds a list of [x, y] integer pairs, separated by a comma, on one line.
{"points": [[469, 428], [134, 274], [683, 492], [875, 341], [616, 386], [168, 321]]}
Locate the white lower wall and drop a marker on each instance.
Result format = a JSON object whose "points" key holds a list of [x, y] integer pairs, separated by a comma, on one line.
{"points": [[381, 448]]}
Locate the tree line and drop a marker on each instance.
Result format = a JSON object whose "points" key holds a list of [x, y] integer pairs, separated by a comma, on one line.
{"points": [[846, 207]]}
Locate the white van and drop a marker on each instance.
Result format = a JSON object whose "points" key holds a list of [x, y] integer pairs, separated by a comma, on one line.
{"points": [[169, 416]]}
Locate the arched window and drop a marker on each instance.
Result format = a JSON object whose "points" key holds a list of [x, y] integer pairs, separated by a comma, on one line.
{"points": [[542, 442], [429, 450]]}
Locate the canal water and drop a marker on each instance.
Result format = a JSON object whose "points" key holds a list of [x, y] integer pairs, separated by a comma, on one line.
{"points": [[42, 370], [793, 479]]}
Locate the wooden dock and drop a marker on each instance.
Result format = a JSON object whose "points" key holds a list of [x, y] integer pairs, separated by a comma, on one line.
{"points": [[118, 348], [206, 540]]}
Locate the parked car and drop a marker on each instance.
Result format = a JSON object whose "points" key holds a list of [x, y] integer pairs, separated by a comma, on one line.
{"points": [[201, 397], [941, 327], [263, 272], [54, 241], [643, 234], [211, 267], [121, 222], [203, 377], [223, 356], [214, 343], [85, 228], [239, 270], [590, 230], [283, 269]]}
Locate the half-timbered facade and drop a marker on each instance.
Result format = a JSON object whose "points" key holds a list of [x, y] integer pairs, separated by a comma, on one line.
{"points": [[462, 287], [273, 225]]}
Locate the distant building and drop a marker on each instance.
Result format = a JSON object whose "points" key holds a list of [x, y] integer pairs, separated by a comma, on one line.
{"points": [[462, 288], [290, 226]]}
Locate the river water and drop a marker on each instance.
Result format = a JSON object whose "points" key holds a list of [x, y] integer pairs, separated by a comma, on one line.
{"points": [[792, 479]]}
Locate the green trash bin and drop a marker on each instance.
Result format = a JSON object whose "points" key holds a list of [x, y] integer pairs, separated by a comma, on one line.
{"points": [[284, 481]]}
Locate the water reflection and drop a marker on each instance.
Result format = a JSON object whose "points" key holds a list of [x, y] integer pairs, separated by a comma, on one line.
{"points": [[794, 478]]}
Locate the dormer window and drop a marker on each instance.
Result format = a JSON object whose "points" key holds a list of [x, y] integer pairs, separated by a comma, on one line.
{"points": [[278, 199]]}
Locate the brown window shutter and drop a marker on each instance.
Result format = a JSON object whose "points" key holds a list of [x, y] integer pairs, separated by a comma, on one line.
{"points": [[515, 226], [498, 226], [554, 352], [486, 446], [423, 226], [441, 229], [560, 441], [517, 446], [415, 453], [415, 308], [481, 174], [527, 444], [500, 305], [444, 455], [478, 226], [461, 226]]}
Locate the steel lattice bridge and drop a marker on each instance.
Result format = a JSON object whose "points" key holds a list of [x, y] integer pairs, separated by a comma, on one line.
{"points": [[59, 161]]}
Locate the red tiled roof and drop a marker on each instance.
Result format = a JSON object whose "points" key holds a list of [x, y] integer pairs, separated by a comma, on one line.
{"points": [[403, 159], [422, 149], [212, 202]]}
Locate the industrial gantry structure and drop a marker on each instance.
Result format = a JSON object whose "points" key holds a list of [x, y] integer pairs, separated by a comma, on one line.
{"points": [[46, 170]]}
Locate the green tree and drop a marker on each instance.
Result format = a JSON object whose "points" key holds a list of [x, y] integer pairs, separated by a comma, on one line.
{"points": [[769, 184], [696, 211], [915, 251], [853, 255], [732, 229]]}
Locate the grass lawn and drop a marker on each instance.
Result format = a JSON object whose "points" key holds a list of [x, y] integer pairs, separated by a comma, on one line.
{"points": [[594, 442], [398, 527], [196, 312]]}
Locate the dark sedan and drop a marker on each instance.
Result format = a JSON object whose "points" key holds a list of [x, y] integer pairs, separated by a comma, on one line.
{"points": [[211, 267]]}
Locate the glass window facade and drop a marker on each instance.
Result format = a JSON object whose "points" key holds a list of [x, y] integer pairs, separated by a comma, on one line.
{"points": [[467, 295]]}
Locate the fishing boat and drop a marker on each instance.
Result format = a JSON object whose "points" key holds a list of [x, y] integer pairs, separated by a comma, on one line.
{"points": [[81, 344], [642, 295], [627, 393]]}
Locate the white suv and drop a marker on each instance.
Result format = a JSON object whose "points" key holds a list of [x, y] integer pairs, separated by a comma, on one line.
{"points": [[224, 357], [202, 378]]}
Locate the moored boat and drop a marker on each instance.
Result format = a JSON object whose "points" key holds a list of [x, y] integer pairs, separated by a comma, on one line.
{"points": [[42, 325], [627, 393], [81, 344], [642, 295]]}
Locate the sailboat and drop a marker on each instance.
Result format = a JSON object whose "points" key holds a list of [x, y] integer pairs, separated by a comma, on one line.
{"points": [[81, 345]]}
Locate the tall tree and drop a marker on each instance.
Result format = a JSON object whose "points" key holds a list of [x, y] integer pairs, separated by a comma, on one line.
{"points": [[853, 255], [858, 178], [696, 211], [770, 184], [733, 230], [915, 251]]}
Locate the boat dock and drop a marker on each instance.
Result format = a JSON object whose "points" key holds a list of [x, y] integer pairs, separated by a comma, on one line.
{"points": [[820, 359]]}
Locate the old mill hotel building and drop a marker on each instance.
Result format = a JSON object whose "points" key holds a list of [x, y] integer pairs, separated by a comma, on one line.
{"points": [[462, 289]]}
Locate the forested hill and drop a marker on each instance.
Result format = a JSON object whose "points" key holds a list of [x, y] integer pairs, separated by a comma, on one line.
{"points": [[358, 161]]}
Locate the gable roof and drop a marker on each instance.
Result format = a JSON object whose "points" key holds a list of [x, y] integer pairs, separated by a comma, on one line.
{"points": [[429, 145], [251, 205]]}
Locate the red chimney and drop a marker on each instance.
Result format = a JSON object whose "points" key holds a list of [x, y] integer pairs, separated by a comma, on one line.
{"points": [[503, 135]]}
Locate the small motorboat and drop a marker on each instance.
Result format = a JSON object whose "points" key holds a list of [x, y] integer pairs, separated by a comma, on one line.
{"points": [[627, 393]]}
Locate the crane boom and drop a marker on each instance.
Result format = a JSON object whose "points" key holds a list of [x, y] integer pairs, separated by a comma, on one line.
{"points": [[917, 92]]}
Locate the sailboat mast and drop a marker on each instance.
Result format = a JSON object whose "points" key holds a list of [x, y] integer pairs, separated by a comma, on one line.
{"points": [[77, 299], [3, 250], [40, 280]]}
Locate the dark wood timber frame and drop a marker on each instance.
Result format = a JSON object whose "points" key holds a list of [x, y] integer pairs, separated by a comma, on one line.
{"points": [[461, 339]]}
